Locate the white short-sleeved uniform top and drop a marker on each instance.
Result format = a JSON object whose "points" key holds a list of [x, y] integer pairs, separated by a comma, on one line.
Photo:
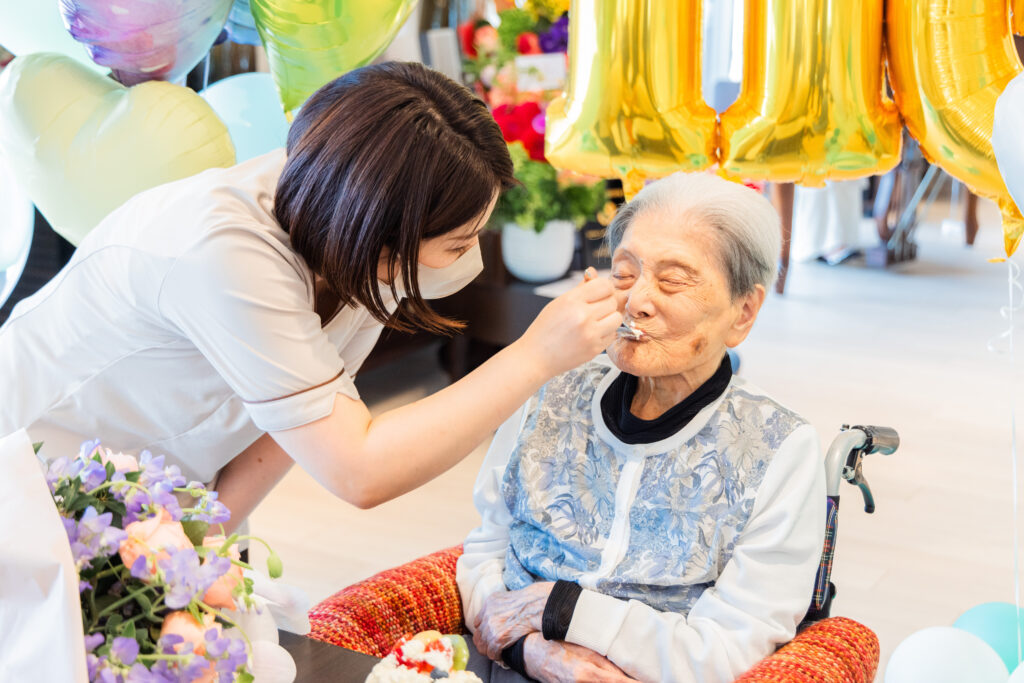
{"points": [[184, 324]]}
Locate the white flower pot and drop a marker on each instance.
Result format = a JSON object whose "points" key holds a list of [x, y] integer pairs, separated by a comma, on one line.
{"points": [[538, 256]]}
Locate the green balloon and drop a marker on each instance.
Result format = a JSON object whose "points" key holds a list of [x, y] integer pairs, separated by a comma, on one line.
{"points": [[311, 42], [996, 623]]}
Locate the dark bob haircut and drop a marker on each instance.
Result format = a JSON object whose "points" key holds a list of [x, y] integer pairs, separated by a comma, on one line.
{"points": [[386, 156]]}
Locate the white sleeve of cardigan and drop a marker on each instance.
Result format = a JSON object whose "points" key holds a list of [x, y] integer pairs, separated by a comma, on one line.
{"points": [[757, 602], [479, 570]]}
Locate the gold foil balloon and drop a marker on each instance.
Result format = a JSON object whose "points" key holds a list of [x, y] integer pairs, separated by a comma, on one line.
{"points": [[82, 144], [949, 61], [312, 42], [811, 106], [633, 106], [1018, 17]]}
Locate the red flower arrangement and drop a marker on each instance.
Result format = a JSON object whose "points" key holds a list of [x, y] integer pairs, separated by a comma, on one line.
{"points": [[523, 123]]}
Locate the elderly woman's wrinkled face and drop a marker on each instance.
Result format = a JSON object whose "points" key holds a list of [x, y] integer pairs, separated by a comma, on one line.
{"points": [[672, 287]]}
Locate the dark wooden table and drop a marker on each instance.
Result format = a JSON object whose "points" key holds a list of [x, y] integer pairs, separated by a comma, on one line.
{"points": [[319, 662]]}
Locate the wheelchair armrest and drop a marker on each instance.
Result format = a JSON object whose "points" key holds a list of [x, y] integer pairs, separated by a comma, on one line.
{"points": [[836, 649], [371, 616]]}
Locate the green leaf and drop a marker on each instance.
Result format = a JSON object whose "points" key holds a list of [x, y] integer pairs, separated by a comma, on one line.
{"points": [[37, 446], [113, 621], [193, 609], [245, 677], [144, 602], [128, 631], [195, 530]]}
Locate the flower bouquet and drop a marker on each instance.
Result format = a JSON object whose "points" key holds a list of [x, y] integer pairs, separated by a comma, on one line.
{"points": [[161, 598]]}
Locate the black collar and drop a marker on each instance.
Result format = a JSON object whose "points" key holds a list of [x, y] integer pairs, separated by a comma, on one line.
{"points": [[628, 428]]}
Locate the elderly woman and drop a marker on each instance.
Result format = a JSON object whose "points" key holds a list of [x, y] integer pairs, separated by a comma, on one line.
{"points": [[648, 514]]}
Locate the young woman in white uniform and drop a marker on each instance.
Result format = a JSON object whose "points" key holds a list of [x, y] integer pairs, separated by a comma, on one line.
{"points": [[220, 319]]}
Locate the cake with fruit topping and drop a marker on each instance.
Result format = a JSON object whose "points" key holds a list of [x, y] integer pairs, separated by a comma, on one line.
{"points": [[426, 656]]}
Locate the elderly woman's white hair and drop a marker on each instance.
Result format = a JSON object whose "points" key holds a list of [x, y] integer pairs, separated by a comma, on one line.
{"points": [[743, 223]]}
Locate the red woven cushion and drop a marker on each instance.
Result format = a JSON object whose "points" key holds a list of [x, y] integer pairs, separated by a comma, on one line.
{"points": [[372, 615], [836, 650]]}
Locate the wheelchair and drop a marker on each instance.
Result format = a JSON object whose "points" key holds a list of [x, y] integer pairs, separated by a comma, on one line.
{"points": [[372, 615]]}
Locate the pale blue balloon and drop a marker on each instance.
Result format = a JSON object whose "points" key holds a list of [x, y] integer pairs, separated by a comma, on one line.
{"points": [[250, 107], [996, 624], [28, 26]]}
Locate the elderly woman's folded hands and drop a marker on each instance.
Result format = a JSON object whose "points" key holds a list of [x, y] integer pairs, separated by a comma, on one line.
{"points": [[553, 661], [508, 616]]}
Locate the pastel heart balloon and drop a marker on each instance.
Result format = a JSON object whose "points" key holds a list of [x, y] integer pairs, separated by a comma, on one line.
{"points": [[82, 144], [146, 40], [312, 42]]}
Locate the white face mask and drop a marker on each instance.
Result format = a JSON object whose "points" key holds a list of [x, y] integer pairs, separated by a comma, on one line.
{"points": [[437, 283]]}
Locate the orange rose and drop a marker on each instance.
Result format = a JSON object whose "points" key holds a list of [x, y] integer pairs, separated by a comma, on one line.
{"points": [[184, 624], [220, 593], [152, 538]]}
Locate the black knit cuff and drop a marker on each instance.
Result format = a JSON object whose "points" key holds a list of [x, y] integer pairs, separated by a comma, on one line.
{"points": [[559, 609], [514, 657]]}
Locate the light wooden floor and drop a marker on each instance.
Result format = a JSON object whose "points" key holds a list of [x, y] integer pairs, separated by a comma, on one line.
{"points": [[905, 347]]}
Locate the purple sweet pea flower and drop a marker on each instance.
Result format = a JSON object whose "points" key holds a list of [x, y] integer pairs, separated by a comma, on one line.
{"points": [[92, 536], [140, 568], [93, 641], [125, 650], [106, 674], [93, 663], [136, 502], [140, 674], [61, 468], [162, 494], [84, 586], [88, 448], [186, 577], [556, 38], [230, 654], [168, 642], [181, 574], [93, 474]]}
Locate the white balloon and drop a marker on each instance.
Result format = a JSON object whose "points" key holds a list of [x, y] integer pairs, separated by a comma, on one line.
{"points": [[1018, 675], [250, 107], [1007, 140], [943, 654]]}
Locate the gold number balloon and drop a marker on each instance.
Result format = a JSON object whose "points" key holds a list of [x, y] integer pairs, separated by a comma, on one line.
{"points": [[811, 106], [949, 60], [1018, 17], [633, 106], [312, 42]]}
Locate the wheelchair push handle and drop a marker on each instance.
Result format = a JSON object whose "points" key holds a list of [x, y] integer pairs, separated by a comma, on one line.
{"points": [[882, 440], [845, 458]]}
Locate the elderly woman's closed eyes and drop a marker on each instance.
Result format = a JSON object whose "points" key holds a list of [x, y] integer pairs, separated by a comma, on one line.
{"points": [[648, 514]]}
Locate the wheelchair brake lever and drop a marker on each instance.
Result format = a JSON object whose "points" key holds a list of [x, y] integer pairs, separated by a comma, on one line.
{"points": [[865, 489]]}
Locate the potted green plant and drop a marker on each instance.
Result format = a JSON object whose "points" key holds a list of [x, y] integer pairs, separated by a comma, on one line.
{"points": [[539, 217]]}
